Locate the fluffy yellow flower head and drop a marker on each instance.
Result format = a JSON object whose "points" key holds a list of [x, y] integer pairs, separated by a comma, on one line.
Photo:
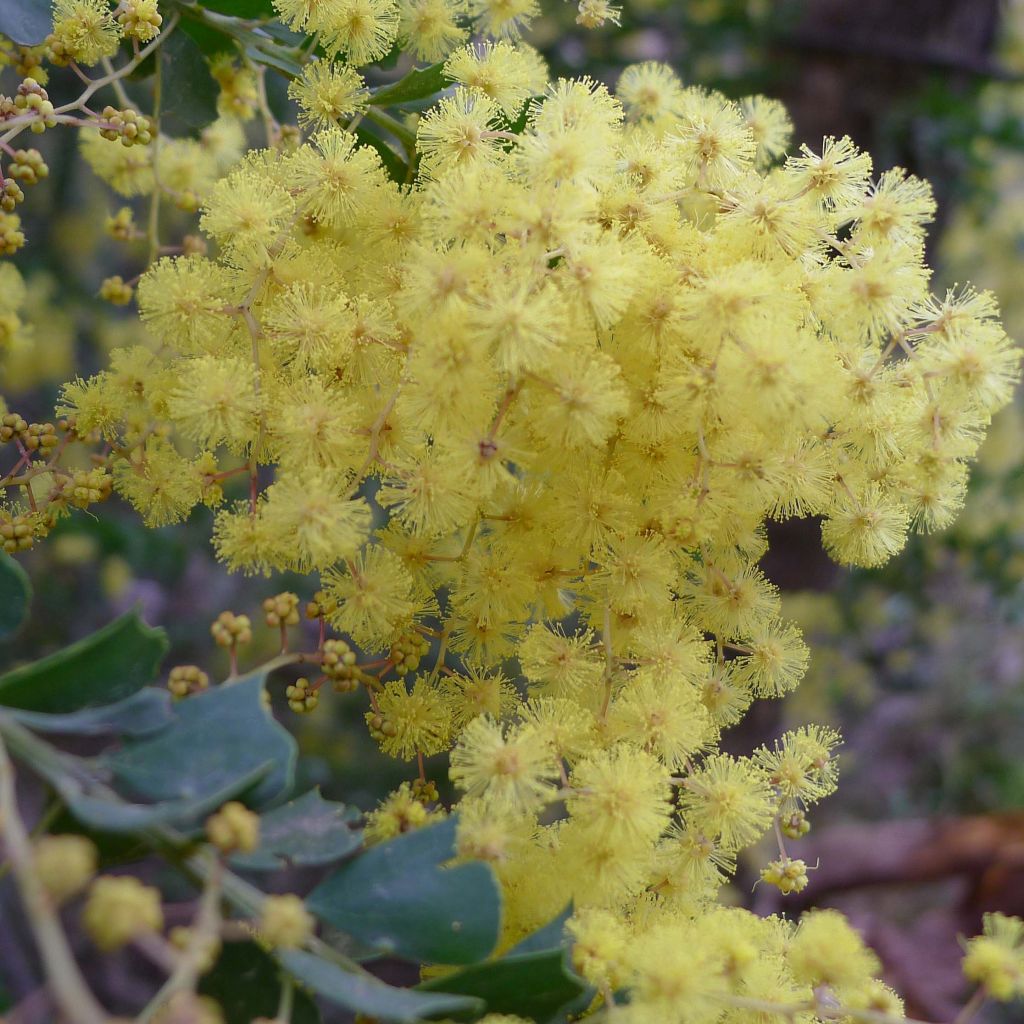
{"points": [[530, 400]]}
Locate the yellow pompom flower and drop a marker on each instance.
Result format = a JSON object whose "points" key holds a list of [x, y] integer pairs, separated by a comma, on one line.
{"points": [[84, 30], [411, 721], [512, 768], [430, 29], [500, 70], [328, 92], [216, 401], [995, 959], [313, 514], [827, 951], [620, 796], [729, 800], [373, 595]]}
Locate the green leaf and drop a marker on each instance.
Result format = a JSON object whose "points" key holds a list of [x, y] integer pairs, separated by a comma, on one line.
{"points": [[217, 737], [25, 21], [533, 985], [242, 9], [15, 593], [189, 93], [144, 712], [107, 666], [397, 168], [106, 811], [273, 57], [518, 126], [211, 41], [398, 899], [246, 983], [305, 832], [419, 84], [365, 994], [551, 936]]}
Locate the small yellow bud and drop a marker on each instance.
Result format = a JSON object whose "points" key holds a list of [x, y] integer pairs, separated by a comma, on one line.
{"points": [[234, 827], [285, 922], [281, 610], [119, 909], [64, 864], [187, 679], [302, 697], [116, 291], [786, 875], [230, 630]]}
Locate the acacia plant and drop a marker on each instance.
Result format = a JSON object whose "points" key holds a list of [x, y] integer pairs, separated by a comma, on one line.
{"points": [[517, 370]]}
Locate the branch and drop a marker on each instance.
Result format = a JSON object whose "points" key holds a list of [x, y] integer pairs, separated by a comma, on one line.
{"points": [[71, 994]]}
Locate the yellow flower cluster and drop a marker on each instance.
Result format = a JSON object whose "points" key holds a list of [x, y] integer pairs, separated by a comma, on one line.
{"points": [[86, 31], [538, 406]]}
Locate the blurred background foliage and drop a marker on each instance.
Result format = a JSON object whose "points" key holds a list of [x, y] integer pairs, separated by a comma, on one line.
{"points": [[921, 664]]}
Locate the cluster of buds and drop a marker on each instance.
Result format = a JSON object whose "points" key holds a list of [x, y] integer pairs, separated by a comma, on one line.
{"points": [[281, 610], [231, 630], [56, 53], [28, 63], [795, 825], [302, 697], [32, 97], [239, 96], [321, 606], [89, 486], [127, 125], [116, 291], [32, 437], [380, 728], [11, 195], [234, 828], [121, 225], [407, 651], [19, 532], [786, 875], [28, 166], [140, 19], [185, 680], [12, 238], [338, 663], [425, 791]]}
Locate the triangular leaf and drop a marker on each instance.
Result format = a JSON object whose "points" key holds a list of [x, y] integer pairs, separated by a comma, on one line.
{"points": [[398, 898], [216, 737], [109, 813], [246, 983], [27, 22], [551, 936], [142, 713], [419, 84], [363, 993], [532, 985], [188, 89], [304, 832], [15, 595], [107, 666], [242, 9]]}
